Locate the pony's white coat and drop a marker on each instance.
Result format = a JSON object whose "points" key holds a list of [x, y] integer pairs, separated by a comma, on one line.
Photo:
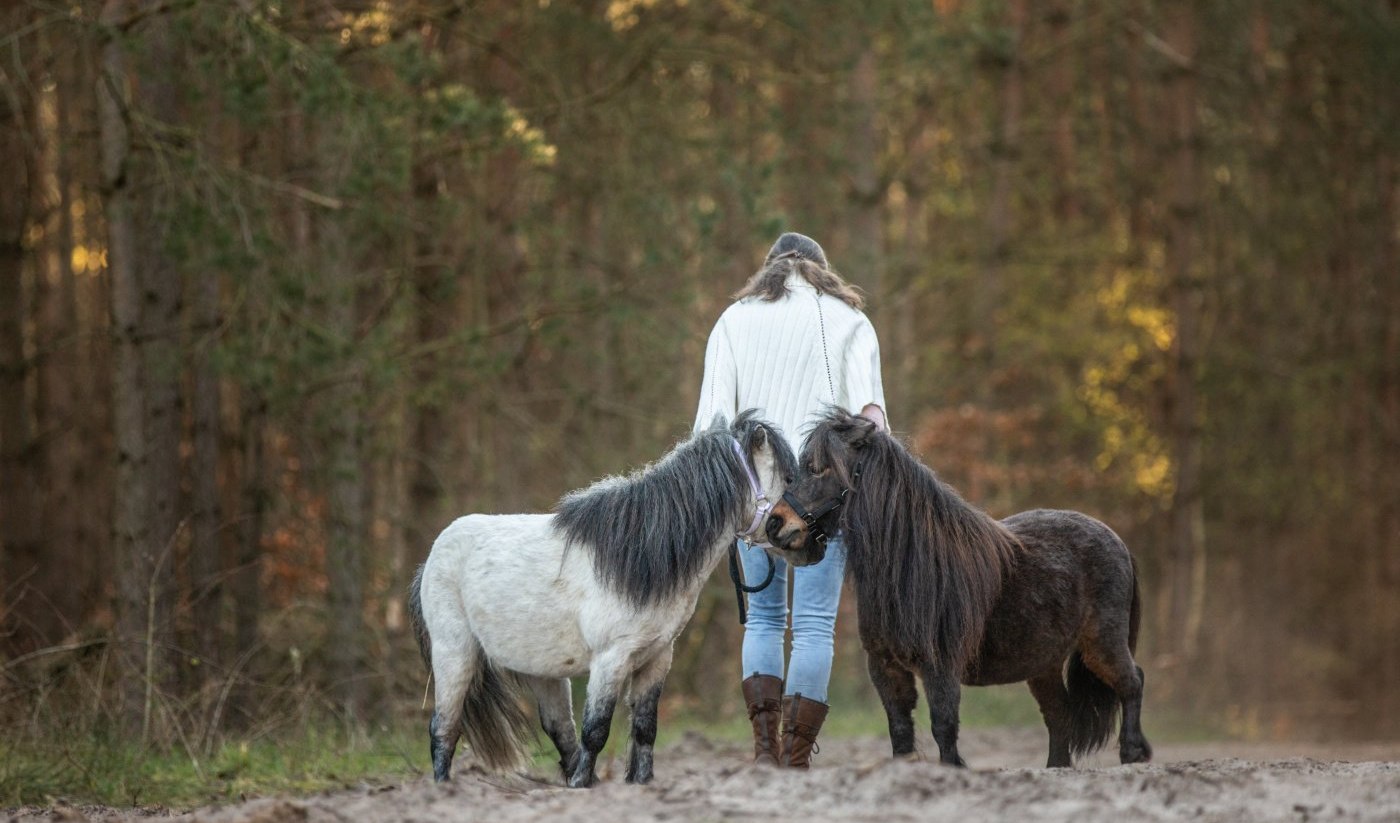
{"points": [[510, 585]]}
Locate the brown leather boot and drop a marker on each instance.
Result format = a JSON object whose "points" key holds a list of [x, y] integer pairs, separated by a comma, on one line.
{"points": [[763, 694], [802, 720]]}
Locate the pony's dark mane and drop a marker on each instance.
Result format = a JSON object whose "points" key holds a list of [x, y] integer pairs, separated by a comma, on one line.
{"points": [[911, 540], [650, 532]]}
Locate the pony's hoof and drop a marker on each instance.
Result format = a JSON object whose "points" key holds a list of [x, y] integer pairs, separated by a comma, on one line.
{"points": [[582, 781], [911, 757], [639, 779], [1135, 752]]}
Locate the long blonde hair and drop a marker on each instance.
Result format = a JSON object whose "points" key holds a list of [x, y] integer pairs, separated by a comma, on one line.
{"points": [[770, 282]]}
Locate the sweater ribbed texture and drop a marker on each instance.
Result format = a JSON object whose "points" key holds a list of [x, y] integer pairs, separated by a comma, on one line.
{"points": [[771, 356]]}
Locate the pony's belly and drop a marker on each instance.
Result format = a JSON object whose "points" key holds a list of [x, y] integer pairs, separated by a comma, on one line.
{"points": [[544, 650], [523, 640]]}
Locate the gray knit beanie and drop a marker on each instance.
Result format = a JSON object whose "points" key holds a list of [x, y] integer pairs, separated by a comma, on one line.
{"points": [[792, 244]]}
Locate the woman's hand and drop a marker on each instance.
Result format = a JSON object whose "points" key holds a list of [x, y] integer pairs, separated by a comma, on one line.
{"points": [[876, 415]]}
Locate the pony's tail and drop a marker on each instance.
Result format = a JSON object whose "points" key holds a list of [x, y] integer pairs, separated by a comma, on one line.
{"points": [[1093, 708], [415, 617], [493, 722]]}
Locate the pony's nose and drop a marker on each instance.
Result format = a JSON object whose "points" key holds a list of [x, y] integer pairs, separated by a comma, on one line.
{"points": [[773, 527]]}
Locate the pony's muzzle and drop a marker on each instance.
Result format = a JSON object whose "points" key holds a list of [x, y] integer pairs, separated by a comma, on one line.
{"points": [[788, 535]]}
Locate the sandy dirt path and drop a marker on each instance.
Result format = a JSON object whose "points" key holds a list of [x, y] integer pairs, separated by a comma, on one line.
{"points": [[698, 779]]}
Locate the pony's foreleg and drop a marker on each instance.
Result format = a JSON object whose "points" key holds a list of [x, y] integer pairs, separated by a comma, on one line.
{"points": [[555, 701], [606, 678], [642, 697], [944, 696], [1049, 692], [895, 685]]}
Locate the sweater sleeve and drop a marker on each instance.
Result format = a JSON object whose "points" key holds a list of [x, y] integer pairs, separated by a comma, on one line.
{"points": [[719, 386], [863, 382]]}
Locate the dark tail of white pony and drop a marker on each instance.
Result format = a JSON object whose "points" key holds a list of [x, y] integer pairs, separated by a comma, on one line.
{"points": [[415, 617], [493, 721]]}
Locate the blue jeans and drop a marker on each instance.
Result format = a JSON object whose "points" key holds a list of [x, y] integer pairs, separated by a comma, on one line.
{"points": [[816, 592]]}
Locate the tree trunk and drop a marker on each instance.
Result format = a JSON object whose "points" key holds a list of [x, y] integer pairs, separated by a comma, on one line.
{"points": [[345, 513], [245, 581], [1185, 296], [866, 261], [1060, 79], [433, 460], [342, 437], [1005, 150], [19, 533], [206, 564], [145, 290], [131, 526], [62, 377]]}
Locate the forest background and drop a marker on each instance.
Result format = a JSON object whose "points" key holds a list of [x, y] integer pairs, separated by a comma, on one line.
{"points": [[286, 285]]}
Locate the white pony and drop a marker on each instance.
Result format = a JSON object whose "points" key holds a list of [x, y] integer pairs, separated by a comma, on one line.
{"points": [[602, 587]]}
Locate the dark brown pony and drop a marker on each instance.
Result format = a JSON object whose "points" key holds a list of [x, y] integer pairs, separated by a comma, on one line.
{"points": [[947, 593]]}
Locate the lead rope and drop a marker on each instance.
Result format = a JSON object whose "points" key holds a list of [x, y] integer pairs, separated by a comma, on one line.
{"points": [[739, 588]]}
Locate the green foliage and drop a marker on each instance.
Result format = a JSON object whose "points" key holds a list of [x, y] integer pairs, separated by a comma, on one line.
{"points": [[116, 772]]}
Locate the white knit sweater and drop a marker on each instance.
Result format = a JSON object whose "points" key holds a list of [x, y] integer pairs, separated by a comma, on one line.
{"points": [[790, 358]]}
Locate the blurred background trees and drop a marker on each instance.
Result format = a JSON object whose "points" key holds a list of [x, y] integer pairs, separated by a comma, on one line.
{"points": [[286, 286]]}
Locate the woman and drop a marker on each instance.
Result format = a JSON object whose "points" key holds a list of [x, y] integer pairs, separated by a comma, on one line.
{"points": [[794, 342]]}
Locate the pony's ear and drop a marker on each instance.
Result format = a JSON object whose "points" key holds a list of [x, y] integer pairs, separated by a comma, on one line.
{"points": [[861, 429], [719, 421], [760, 436]]}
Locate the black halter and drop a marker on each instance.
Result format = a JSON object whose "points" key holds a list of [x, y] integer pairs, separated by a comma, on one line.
{"points": [[826, 507]]}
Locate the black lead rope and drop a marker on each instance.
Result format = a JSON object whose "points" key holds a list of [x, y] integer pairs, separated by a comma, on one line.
{"points": [[739, 588]]}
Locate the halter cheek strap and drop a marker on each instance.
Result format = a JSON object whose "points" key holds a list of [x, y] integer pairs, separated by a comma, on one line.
{"points": [[762, 505]]}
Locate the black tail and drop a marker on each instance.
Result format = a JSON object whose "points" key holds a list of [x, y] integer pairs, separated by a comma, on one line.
{"points": [[415, 617], [493, 721], [1093, 708]]}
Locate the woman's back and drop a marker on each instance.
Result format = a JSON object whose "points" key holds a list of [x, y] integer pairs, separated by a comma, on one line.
{"points": [[791, 357]]}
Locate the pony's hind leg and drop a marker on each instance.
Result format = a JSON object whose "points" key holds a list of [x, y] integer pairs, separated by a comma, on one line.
{"points": [[944, 699], [454, 666], [1132, 743], [643, 694], [556, 705], [895, 685], [1049, 692], [1117, 669]]}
